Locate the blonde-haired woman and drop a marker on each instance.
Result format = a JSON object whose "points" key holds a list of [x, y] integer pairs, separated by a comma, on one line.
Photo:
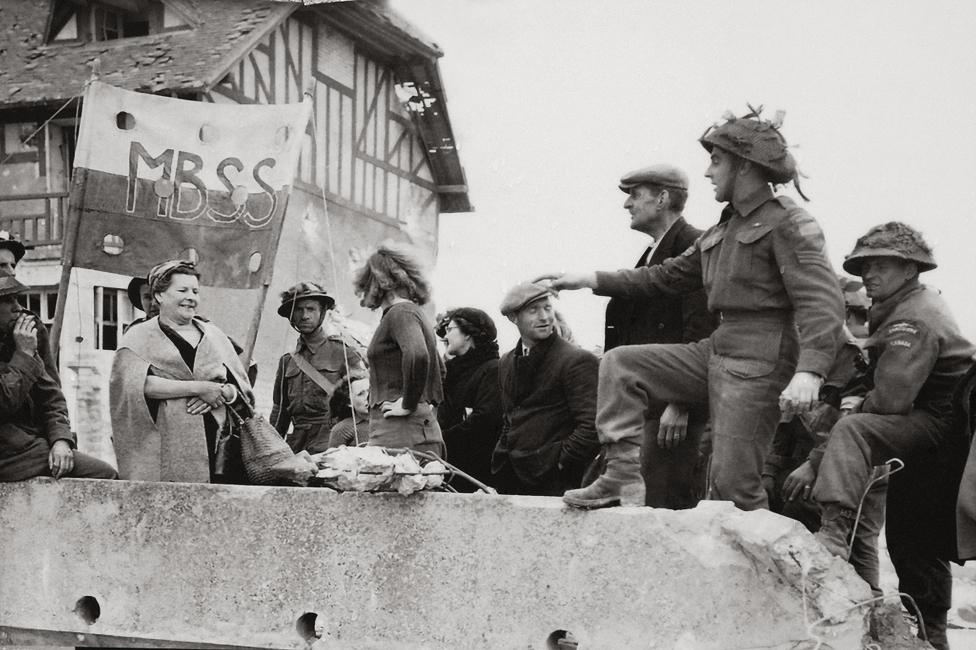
{"points": [[405, 369]]}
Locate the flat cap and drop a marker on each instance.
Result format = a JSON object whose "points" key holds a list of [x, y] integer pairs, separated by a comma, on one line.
{"points": [[521, 295], [10, 242], [661, 175]]}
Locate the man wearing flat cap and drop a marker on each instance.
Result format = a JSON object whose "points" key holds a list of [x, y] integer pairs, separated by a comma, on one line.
{"points": [[548, 392], [918, 356], [656, 197], [35, 437], [308, 377], [765, 270], [11, 252]]}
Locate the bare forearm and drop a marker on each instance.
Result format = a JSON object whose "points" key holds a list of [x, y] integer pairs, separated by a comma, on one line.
{"points": [[163, 388]]}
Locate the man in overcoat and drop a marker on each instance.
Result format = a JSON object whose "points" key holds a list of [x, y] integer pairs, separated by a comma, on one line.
{"points": [[548, 392]]}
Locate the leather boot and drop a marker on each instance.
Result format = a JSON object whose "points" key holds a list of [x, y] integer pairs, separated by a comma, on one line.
{"points": [[621, 476], [836, 528], [935, 622]]}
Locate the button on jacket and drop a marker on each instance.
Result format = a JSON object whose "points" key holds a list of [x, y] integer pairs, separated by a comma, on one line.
{"points": [[764, 259]]}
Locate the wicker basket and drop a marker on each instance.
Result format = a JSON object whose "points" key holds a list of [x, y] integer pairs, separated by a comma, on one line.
{"points": [[262, 448]]}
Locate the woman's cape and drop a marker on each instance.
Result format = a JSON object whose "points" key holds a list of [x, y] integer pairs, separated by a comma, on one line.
{"points": [[173, 447]]}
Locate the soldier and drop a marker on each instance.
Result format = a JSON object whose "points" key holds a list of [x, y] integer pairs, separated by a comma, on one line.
{"points": [[11, 252], [656, 197], [308, 376], [765, 270], [35, 438], [918, 355]]}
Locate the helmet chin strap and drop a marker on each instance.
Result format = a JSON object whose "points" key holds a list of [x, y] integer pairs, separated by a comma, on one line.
{"points": [[291, 321]]}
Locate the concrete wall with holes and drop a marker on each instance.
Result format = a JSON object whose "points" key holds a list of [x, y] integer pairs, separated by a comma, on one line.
{"points": [[307, 567]]}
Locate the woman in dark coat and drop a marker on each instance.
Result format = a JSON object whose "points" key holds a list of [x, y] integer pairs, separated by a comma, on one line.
{"points": [[471, 414]]}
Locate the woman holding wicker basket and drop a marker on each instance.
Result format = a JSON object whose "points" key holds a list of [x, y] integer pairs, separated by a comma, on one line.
{"points": [[405, 369], [173, 379]]}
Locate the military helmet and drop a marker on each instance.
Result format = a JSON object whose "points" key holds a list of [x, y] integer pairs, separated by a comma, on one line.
{"points": [[10, 242], [301, 291], [756, 140], [9, 285], [892, 239]]}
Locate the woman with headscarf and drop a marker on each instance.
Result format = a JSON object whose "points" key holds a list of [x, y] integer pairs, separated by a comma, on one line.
{"points": [[173, 378], [471, 414], [405, 369]]}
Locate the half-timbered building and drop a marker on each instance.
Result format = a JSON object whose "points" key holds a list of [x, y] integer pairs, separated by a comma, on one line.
{"points": [[379, 160]]}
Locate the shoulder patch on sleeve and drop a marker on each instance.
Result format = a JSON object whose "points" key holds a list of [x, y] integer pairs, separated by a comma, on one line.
{"points": [[901, 343], [902, 328]]}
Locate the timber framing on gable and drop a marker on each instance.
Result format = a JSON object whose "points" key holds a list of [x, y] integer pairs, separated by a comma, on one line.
{"points": [[368, 154]]}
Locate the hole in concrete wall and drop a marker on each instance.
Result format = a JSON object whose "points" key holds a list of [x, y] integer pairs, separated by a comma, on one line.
{"points": [[88, 609], [561, 640], [309, 626]]}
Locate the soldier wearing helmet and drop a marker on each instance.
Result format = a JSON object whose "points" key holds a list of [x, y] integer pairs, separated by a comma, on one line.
{"points": [[35, 437], [918, 355], [11, 252], [765, 270], [308, 377]]}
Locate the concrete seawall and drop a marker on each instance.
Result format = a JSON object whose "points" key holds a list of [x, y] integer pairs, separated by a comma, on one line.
{"points": [[188, 564]]}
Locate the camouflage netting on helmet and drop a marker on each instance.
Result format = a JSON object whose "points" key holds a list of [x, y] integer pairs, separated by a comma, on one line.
{"points": [[892, 239], [757, 140]]}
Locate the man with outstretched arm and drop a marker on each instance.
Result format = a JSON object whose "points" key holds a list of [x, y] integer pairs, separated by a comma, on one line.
{"points": [[765, 270]]}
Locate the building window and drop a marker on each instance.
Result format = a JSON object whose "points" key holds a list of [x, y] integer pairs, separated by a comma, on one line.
{"points": [[42, 301], [113, 313]]}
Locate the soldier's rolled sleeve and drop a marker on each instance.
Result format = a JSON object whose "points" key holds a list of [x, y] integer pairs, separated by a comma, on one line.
{"points": [[810, 281], [909, 354], [673, 277]]}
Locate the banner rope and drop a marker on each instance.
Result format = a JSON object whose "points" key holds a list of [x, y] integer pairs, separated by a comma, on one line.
{"points": [[76, 98]]}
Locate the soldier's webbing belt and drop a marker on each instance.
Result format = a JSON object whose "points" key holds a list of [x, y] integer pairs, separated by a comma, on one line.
{"points": [[317, 377]]}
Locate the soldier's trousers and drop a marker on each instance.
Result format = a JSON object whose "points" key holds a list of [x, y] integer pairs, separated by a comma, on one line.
{"points": [[742, 392]]}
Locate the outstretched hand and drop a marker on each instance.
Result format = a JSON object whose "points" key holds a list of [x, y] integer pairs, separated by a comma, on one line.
{"points": [[558, 281]]}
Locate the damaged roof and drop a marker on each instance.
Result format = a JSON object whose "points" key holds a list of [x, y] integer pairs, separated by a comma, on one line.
{"points": [[33, 72]]}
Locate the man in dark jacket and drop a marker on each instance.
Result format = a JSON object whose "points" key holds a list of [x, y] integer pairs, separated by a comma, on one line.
{"points": [[918, 355], [656, 197], [35, 439], [548, 388]]}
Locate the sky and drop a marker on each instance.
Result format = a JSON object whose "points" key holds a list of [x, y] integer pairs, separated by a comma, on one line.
{"points": [[552, 101]]}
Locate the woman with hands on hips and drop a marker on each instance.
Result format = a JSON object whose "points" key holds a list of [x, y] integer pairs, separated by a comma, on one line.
{"points": [[405, 369]]}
